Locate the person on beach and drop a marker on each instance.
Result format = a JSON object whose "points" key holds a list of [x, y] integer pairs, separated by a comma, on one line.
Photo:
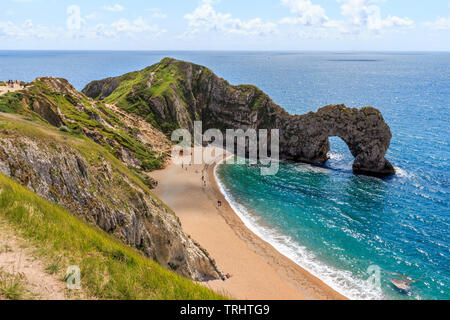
{"points": [[219, 203]]}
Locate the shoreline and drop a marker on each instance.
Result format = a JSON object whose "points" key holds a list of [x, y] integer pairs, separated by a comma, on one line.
{"points": [[259, 271]]}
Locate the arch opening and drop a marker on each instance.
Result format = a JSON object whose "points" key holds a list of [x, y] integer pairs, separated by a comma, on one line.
{"points": [[339, 154]]}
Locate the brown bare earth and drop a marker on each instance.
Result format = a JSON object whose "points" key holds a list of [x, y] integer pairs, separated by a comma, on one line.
{"points": [[258, 270], [6, 89], [20, 266], [150, 136]]}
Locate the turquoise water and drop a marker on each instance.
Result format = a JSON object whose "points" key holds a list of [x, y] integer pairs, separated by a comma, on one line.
{"points": [[331, 222], [336, 224]]}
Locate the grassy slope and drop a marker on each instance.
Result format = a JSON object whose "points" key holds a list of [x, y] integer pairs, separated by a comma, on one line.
{"points": [[122, 135], [91, 151], [110, 270], [133, 94], [168, 82]]}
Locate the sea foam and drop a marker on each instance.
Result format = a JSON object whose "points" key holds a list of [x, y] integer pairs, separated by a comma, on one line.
{"points": [[343, 281]]}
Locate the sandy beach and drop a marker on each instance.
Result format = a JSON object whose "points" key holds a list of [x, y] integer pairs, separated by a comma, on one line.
{"points": [[258, 270]]}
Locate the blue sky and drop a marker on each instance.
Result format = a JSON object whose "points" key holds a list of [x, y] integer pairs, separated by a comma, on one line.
{"points": [[225, 24]]}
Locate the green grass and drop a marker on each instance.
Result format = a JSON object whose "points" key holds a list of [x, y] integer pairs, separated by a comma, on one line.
{"points": [[134, 95], [127, 82], [10, 102], [69, 106], [12, 286], [109, 269], [169, 84], [52, 268], [91, 151]]}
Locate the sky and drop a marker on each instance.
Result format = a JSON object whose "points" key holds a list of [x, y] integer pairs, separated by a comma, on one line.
{"points": [[392, 25]]}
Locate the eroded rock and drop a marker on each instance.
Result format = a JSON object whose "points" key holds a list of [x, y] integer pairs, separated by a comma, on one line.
{"points": [[99, 192]]}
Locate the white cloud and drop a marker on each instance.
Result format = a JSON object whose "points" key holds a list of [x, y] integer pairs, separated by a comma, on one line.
{"points": [[205, 18], [306, 13], [91, 16], [9, 29], [120, 28], [117, 29], [156, 13], [359, 16], [439, 24], [115, 8], [364, 14], [393, 21], [137, 26]]}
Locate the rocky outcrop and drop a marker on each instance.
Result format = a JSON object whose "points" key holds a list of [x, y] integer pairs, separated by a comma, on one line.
{"points": [[88, 182], [179, 93], [102, 88], [305, 138], [132, 139]]}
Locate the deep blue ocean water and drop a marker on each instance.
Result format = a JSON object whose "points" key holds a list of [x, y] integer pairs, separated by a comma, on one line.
{"points": [[331, 222]]}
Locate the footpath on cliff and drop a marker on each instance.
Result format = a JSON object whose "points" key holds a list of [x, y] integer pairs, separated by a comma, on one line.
{"points": [[6, 89], [22, 274]]}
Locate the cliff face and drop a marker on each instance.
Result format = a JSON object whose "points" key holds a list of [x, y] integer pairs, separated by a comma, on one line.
{"points": [[59, 144], [131, 139], [174, 93]]}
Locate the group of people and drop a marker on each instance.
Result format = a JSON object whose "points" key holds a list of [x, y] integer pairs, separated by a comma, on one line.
{"points": [[12, 83], [219, 202], [205, 169], [203, 176]]}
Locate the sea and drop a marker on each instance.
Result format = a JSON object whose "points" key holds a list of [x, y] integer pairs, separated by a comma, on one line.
{"points": [[356, 233]]}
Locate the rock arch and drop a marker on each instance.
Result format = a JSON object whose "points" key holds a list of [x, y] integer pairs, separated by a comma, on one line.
{"points": [[363, 130]]}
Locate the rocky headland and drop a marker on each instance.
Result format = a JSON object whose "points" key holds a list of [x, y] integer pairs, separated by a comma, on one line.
{"points": [[173, 94]]}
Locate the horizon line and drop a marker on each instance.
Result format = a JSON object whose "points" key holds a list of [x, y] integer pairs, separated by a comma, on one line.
{"points": [[229, 50]]}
